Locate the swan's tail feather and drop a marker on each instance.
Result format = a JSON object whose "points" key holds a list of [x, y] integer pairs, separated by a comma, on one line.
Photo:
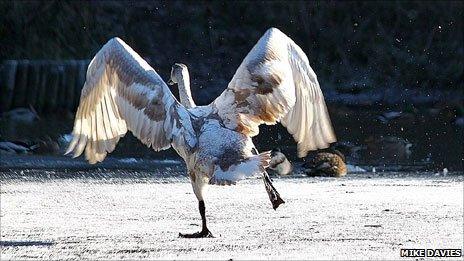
{"points": [[274, 196]]}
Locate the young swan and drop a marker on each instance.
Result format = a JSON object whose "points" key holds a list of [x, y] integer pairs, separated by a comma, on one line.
{"points": [[274, 83]]}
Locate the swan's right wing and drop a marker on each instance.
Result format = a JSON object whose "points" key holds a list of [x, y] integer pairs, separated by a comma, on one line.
{"points": [[122, 92], [275, 83]]}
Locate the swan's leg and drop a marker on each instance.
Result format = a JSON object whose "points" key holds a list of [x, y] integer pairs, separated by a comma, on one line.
{"points": [[274, 196], [197, 188], [201, 207], [204, 230]]}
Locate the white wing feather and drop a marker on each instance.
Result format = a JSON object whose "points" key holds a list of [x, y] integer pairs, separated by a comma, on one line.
{"points": [[122, 92], [308, 121], [276, 83]]}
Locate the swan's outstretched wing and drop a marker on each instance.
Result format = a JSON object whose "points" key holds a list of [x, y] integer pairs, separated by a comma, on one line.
{"points": [[276, 83], [122, 92]]}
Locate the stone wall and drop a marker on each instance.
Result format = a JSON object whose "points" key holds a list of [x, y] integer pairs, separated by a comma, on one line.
{"points": [[45, 85]]}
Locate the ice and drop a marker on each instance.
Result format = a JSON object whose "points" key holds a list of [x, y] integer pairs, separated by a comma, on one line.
{"points": [[354, 168], [128, 160], [360, 216]]}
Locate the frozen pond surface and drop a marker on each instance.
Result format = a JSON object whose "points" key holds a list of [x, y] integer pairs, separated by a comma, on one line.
{"points": [[134, 214]]}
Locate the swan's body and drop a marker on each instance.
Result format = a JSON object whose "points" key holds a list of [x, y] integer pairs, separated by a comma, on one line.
{"points": [[273, 83]]}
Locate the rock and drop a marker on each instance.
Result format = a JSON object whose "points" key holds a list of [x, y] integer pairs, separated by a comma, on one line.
{"points": [[397, 116], [349, 149], [47, 146], [445, 171], [354, 169], [459, 122], [7, 152], [388, 149], [388, 116], [12, 148], [64, 140], [22, 115], [128, 160]]}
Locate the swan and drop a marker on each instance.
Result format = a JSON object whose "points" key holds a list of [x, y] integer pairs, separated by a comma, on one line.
{"points": [[274, 83], [279, 163], [327, 163]]}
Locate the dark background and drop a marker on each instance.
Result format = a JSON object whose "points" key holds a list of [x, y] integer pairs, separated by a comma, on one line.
{"points": [[370, 57], [352, 46]]}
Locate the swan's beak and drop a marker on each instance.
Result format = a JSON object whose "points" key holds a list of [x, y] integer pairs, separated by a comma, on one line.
{"points": [[170, 82]]}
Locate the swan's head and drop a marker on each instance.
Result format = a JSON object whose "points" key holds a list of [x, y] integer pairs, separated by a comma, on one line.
{"points": [[179, 72], [180, 75]]}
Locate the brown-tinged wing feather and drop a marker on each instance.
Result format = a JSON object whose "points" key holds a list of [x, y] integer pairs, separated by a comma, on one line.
{"points": [[275, 83], [122, 92]]}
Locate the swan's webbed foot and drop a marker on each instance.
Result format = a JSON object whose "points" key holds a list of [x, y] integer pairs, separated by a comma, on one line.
{"points": [[202, 234]]}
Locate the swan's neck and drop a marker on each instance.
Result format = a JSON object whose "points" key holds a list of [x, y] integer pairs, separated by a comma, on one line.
{"points": [[185, 94]]}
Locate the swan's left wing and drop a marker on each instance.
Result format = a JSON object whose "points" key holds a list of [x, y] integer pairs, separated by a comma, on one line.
{"points": [[122, 92], [275, 83]]}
